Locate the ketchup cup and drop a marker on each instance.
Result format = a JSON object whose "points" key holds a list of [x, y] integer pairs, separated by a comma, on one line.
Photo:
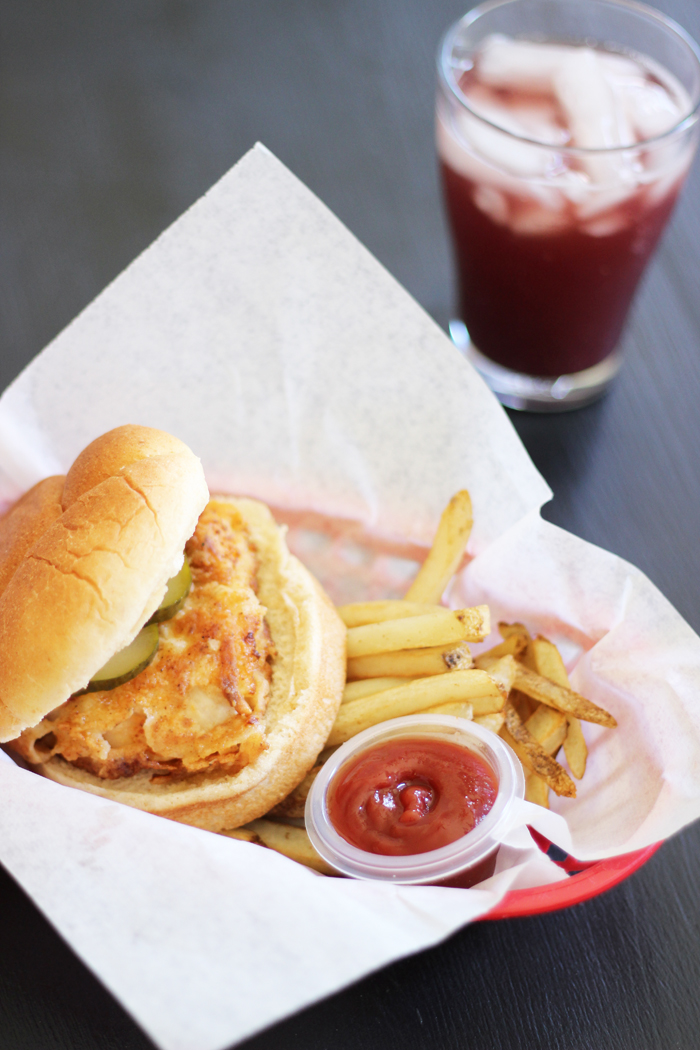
{"points": [[464, 862]]}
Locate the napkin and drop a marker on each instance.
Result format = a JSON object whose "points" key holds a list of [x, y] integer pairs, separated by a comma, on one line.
{"points": [[259, 331]]}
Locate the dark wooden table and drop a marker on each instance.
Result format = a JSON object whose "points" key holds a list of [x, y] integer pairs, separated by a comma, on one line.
{"points": [[114, 117]]}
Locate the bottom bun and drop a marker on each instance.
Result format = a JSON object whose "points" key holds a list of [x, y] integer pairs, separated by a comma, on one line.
{"points": [[308, 676]]}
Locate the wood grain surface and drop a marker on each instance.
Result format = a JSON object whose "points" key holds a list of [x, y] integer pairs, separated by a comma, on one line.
{"points": [[114, 117]]}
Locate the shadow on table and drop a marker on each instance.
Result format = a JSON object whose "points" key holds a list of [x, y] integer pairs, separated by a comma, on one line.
{"points": [[561, 445]]}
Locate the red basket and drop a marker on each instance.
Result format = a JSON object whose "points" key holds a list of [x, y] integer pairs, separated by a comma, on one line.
{"points": [[595, 878]]}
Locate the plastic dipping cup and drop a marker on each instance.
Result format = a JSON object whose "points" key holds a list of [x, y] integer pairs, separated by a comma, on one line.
{"points": [[553, 224], [464, 862]]}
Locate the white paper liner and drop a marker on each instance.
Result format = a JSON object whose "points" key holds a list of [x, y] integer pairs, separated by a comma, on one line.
{"points": [[633, 654], [259, 331]]}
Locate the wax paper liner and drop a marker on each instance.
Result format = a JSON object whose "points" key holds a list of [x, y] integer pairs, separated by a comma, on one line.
{"points": [[259, 331]]}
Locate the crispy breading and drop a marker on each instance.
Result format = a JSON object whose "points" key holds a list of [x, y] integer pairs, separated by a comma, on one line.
{"points": [[200, 703]]}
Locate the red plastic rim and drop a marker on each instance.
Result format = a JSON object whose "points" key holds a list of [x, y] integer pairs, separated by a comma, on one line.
{"points": [[577, 888]]}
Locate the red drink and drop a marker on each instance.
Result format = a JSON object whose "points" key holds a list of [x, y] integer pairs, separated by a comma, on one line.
{"points": [[552, 303], [561, 165]]}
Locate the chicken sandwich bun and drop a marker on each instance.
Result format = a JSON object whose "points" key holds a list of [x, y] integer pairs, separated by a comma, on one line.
{"points": [[158, 647]]}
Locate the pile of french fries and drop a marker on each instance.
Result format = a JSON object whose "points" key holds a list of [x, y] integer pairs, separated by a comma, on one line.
{"points": [[412, 656]]}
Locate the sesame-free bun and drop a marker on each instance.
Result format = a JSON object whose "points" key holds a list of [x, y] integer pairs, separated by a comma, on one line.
{"points": [[25, 522], [84, 562], [308, 674]]}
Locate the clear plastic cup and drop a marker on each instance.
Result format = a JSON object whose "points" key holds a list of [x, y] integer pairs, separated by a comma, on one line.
{"points": [[466, 861]]}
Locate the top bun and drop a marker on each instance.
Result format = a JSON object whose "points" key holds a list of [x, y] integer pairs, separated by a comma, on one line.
{"points": [[25, 522], [84, 563]]}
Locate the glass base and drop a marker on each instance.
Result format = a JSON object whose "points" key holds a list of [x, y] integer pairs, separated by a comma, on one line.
{"points": [[538, 393]]}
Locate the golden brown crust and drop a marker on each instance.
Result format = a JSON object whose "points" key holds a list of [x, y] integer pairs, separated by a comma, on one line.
{"points": [[200, 704], [89, 582], [307, 684]]}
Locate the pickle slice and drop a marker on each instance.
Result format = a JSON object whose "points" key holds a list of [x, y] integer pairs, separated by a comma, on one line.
{"points": [[177, 590], [128, 662]]}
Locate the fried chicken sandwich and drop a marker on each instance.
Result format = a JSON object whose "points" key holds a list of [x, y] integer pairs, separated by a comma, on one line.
{"points": [[158, 647]]}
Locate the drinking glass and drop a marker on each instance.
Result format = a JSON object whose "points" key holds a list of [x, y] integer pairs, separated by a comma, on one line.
{"points": [[552, 223]]}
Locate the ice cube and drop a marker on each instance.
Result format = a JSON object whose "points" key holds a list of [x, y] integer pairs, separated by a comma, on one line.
{"points": [[672, 84], [503, 150], [617, 65], [540, 122], [649, 107], [535, 221], [519, 64], [492, 203], [654, 100], [606, 226], [592, 112], [531, 120], [526, 121], [596, 119], [574, 185], [462, 156], [488, 106], [600, 199]]}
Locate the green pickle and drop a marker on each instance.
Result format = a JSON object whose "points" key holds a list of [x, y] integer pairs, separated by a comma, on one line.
{"points": [[135, 657], [177, 590], [128, 662]]}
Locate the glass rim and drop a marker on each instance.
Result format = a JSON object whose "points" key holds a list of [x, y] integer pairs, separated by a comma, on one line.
{"points": [[663, 21]]}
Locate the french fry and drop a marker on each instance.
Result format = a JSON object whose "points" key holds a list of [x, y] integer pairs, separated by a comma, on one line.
{"points": [[477, 621], [543, 657], [439, 627], [575, 747], [515, 641], [293, 842], [357, 614], [293, 806], [446, 552], [536, 758], [548, 727], [522, 704], [558, 696], [494, 721], [513, 645], [502, 669], [507, 630], [423, 694], [410, 656], [457, 657], [456, 710], [536, 790], [368, 686], [519, 750], [411, 663]]}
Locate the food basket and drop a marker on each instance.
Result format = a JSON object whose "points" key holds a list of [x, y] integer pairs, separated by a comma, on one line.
{"points": [[582, 885], [261, 333]]}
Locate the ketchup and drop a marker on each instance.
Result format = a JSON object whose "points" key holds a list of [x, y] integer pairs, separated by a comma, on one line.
{"points": [[410, 795]]}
